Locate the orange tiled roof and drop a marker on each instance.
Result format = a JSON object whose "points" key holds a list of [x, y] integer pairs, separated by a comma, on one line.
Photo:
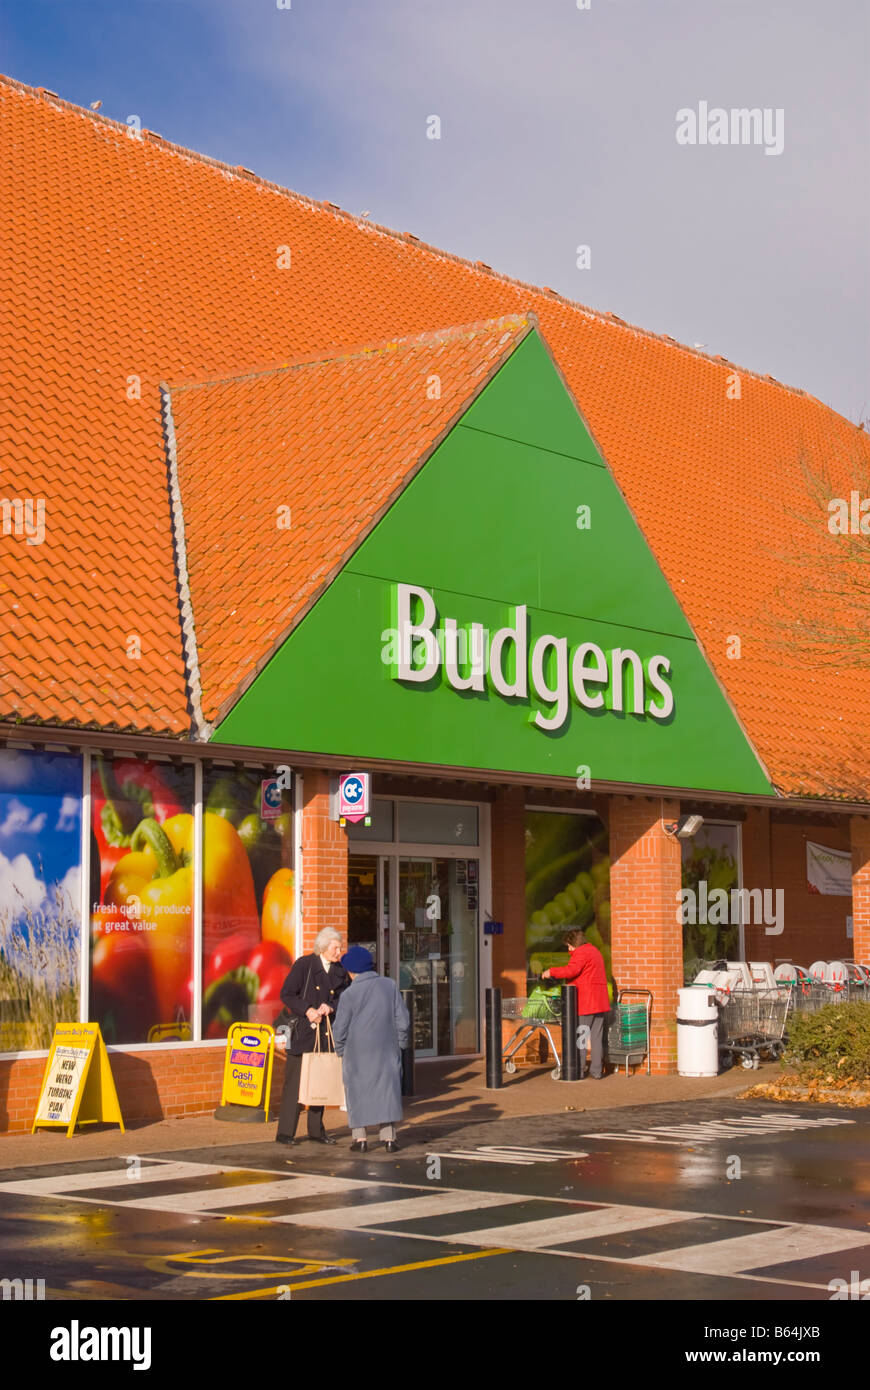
{"points": [[131, 261], [334, 441]]}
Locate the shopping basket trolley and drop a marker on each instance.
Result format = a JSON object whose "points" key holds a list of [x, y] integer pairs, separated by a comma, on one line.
{"points": [[752, 1025], [532, 1015], [628, 1028]]}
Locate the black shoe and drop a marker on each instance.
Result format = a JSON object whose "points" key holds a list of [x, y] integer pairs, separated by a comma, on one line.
{"points": [[359, 1146], [392, 1147], [284, 1139], [321, 1139]]}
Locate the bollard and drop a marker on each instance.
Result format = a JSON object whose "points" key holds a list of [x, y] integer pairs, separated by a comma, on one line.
{"points": [[570, 1067], [408, 1052], [494, 1078]]}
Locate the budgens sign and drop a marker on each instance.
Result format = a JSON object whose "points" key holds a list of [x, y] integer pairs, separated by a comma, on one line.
{"points": [[516, 663]]}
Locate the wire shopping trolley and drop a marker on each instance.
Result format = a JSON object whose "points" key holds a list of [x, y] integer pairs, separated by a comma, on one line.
{"points": [[532, 1014], [752, 1025]]}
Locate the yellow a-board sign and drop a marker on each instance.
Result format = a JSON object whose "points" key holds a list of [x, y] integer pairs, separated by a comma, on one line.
{"points": [[248, 1065], [77, 1084]]}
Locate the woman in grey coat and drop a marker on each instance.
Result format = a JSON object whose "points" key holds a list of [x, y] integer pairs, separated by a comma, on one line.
{"points": [[371, 1028]]}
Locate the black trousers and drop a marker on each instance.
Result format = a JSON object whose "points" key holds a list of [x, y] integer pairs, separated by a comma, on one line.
{"points": [[290, 1108]]}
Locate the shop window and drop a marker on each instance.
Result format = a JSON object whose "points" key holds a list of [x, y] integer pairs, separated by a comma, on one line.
{"points": [[711, 917], [437, 823], [381, 827], [249, 921], [567, 886], [142, 830], [40, 895]]}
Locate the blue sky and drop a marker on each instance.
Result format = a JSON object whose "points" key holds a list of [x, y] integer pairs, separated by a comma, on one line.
{"points": [[558, 129], [40, 829]]}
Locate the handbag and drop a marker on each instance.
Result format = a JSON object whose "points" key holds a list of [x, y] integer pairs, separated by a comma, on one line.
{"points": [[320, 1080], [287, 1023]]}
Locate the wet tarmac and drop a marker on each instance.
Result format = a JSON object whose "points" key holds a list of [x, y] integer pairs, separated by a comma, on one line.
{"points": [[729, 1201]]}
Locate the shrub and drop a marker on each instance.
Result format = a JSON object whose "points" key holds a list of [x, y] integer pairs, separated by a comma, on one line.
{"points": [[835, 1041]]}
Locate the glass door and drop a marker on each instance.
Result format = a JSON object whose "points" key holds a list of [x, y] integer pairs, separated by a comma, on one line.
{"points": [[368, 907], [437, 944]]}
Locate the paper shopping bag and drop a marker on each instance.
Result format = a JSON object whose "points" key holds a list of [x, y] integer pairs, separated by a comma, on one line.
{"points": [[320, 1080]]}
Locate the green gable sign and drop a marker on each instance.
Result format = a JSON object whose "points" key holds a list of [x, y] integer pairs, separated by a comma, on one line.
{"points": [[505, 614]]}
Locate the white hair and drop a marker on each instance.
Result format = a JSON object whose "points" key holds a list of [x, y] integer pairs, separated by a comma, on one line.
{"points": [[323, 938]]}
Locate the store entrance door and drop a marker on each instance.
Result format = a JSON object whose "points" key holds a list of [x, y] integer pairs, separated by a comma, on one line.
{"points": [[368, 908], [437, 943], [418, 916]]}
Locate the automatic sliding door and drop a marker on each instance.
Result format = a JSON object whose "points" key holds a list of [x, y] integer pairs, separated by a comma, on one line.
{"points": [[437, 921]]}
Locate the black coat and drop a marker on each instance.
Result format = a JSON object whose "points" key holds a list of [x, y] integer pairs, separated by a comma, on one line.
{"points": [[307, 987]]}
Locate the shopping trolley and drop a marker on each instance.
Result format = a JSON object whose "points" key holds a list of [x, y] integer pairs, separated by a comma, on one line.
{"points": [[532, 1015], [628, 1028], [752, 1025]]}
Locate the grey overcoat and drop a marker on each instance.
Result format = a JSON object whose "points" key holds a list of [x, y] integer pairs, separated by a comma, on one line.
{"points": [[371, 1026]]}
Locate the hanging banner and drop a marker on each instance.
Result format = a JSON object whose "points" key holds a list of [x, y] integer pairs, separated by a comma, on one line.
{"points": [[248, 1066], [77, 1085], [829, 870]]}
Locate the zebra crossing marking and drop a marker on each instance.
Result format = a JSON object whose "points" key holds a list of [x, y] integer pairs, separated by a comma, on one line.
{"points": [[735, 1257], [739, 1254]]}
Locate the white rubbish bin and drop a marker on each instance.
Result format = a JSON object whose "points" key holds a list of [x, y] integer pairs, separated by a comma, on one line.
{"points": [[697, 1032]]}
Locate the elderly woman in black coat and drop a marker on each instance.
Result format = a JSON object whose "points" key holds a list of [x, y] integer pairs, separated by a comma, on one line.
{"points": [[310, 993]]}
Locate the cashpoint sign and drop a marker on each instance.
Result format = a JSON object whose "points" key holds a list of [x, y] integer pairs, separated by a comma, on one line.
{"points": [[354, 797]]}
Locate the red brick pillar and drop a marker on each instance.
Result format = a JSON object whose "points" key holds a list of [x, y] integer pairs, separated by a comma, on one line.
{"points": [[647, 938], [860, 833], [324, 862], [509, 890]]}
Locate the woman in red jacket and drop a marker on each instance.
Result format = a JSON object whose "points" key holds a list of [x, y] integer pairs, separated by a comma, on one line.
{"points": [[586, 970]]}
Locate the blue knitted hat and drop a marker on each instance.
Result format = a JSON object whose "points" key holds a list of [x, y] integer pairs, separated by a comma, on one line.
{"points": [[357, 960]]}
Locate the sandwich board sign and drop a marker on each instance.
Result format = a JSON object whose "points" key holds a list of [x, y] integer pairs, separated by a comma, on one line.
{"points": [[77, 1084], [248, 1070]]}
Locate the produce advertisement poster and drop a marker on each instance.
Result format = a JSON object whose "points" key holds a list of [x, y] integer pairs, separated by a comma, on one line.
{"points": [[711, 856], [142, 889], [567, 885], [40, 895], [829, 871]]}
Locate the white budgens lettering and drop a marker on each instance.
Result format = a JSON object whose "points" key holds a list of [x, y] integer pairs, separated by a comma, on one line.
{"points": [[518, 636], [620, 657], [409, 646], [618, 681], [550, 693], [476, 657], [583, 675], [657, 667]]}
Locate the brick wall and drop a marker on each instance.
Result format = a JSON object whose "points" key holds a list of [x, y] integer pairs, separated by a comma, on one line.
{"points": [[647, 942], [860, 843], [324, 862], [509, 891], [153, 1085], [775, 857]]}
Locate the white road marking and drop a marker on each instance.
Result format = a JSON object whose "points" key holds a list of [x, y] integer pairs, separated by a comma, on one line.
{"points": [[708, 1131], [218, 1199], [743, 1253], [580, 1225], [113, 1177], [402, 1209], [507, 1153]]}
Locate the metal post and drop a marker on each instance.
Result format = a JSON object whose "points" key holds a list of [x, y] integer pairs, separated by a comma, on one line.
{"points": [[408, 1052], [494, 1078], [570, 1069]]}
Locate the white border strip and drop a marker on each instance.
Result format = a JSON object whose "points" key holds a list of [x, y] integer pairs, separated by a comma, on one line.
{"points": [[202, 729]]}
